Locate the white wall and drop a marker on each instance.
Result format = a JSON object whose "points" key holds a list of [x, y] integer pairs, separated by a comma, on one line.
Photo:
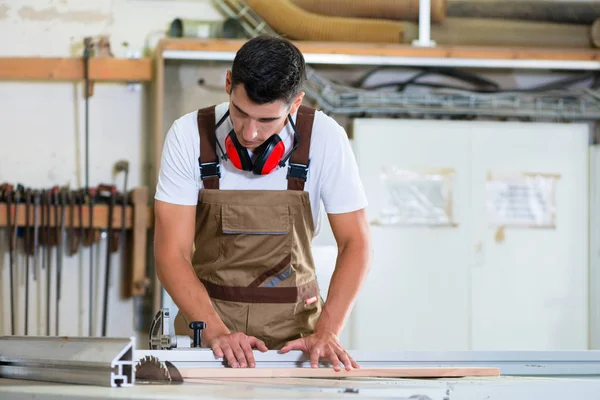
{"points": [[43, 129]]}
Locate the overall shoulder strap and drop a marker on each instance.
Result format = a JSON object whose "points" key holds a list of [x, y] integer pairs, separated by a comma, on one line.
{"points": [[298, 169], [209, 167]]}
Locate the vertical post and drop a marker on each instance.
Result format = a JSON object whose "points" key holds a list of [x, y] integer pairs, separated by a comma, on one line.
{"points": [[424, 39], [158, 139], [139, 227]]}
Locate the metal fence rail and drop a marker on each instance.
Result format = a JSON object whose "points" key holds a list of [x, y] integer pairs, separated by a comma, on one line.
{"points": [[79, 360]]}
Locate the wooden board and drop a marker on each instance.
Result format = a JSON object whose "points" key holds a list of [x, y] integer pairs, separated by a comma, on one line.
{"points": [[100, 216], [395, 372], [71, 69], [139, 281], [395, 50]]}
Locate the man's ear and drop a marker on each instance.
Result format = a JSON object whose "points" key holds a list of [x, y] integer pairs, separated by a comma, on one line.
{"points": [[228, 82], [297, 103]]}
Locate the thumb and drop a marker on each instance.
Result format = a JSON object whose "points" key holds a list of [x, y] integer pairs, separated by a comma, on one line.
{"points": [[293, 345], [259, 344]]}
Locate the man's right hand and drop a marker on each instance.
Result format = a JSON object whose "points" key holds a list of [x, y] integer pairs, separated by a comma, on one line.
{"points": [[237, 349]]}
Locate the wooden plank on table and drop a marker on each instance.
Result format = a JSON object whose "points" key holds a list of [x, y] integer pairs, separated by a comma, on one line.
{"points": [[71, 69], [395, 50], [395, 372]]}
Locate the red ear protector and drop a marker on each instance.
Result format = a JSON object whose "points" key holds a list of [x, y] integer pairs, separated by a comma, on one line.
{"points": [[266, 157]]}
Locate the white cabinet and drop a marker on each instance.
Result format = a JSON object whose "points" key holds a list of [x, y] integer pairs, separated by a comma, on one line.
{"points": [[469, 285]]}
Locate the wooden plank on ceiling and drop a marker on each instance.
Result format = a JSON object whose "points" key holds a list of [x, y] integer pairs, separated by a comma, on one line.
{"points": [[395, 50]]}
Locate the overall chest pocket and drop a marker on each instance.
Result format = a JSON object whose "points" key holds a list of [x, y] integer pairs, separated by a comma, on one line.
{"points": [[256, 235]]}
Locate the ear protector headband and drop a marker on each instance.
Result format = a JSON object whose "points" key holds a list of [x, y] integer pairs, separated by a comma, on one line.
{"points": [[266, 157]]}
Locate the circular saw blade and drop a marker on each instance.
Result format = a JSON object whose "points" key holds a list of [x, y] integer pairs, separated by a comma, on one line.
{"points": [[151, 370]]}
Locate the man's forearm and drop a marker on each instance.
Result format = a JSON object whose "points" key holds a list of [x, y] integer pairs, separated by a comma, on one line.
{"points": [[190, 296], [351, 269]]}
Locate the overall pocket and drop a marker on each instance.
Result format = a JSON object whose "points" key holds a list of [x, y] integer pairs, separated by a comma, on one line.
{"points": [[253, 240]]}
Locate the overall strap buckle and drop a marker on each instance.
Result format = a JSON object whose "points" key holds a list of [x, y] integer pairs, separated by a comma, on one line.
{"points": [[297, 171], [209, 169]]}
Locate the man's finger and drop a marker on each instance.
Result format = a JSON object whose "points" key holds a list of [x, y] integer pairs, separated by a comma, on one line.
{"points": [[335, 361], [354, 363], [239, 354], [229, 356], [293, 345], [259, 344], [217, 350], [345, 359], [248, 353], [314, 357]]}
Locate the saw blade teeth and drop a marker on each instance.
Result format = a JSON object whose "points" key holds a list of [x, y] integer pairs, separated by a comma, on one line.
{"points": [[151, 368]]}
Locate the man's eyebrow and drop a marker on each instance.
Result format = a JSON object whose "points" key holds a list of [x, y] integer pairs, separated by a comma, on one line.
{"points": [[239, 109], [266, 119]]}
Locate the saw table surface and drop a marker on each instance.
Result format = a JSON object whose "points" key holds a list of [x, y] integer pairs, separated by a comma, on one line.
{"points": [[514, 388]]}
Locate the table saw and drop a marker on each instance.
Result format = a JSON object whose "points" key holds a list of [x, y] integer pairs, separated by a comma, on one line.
{"points": [[177, 367]]}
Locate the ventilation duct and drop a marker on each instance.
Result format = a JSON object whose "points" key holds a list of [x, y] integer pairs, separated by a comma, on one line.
{"points": [[296, 23], [571, 12], [400, 10]]}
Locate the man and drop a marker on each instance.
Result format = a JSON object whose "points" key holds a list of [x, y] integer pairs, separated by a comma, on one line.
{"points": [[237, 203]]}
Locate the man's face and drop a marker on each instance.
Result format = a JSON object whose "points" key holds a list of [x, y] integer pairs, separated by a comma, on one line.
{"points": [[254, 123]]}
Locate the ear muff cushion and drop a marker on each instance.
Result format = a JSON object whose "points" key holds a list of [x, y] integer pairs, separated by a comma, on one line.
{"points": [[270, 156], [237, 154]]}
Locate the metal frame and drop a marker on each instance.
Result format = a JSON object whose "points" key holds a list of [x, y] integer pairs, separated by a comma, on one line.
{"points": [[339, 99], [350, 59], [80, 360], [511, 363]]}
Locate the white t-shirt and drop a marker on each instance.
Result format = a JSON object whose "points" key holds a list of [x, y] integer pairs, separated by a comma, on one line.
{"points": [[333, 180]]}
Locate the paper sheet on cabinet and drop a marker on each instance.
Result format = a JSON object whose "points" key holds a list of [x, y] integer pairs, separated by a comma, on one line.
{"points": [[416, 197], [524, 200]]}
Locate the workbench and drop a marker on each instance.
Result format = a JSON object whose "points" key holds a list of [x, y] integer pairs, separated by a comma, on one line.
{"points": [[98, 368], [514, 388]]}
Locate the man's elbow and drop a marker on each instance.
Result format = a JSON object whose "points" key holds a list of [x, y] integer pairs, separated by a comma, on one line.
{"points": [[361, 248]]}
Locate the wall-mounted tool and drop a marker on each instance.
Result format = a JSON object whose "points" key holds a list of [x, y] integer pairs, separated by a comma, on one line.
{"points": [[108, 192], [91, 194]]}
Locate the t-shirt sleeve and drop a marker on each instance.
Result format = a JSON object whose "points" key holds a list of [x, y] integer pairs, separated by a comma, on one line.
{"points": [[177, 183], [341, 187]]}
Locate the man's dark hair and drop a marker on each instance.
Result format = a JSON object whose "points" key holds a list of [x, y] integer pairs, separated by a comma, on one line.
{"points": [[271, 68]]}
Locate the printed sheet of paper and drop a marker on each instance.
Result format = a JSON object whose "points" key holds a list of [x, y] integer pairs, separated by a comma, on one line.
{"points": [[416, 197], [526, 200]]}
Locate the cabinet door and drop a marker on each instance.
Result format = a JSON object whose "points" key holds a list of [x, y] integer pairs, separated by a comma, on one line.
{"points": [[529, 285], [416, 296]]}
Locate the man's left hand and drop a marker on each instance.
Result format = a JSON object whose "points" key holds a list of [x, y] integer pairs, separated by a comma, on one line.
{"points": [[322, 344]]}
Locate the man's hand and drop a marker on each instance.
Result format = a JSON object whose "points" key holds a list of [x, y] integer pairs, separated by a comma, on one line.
{"points": [[237, 349], [322, 344]]}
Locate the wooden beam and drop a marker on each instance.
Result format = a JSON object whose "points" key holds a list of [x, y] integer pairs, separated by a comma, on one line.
{"points": [[394, 50], [141, 220], [391, 372], [71, 69], [100, 216]]}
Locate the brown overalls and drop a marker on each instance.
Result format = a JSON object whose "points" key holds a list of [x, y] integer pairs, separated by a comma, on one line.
{"points": [[253, 247]]}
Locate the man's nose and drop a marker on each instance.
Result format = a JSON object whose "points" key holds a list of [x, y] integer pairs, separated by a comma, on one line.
{"points": [[249, 132]]}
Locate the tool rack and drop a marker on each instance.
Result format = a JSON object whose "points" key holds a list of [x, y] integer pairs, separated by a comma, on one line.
{"points": [[138, 219]]}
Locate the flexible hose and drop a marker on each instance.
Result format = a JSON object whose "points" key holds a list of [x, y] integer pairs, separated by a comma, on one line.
{"points": [[401, 10], [570, 12], [496, 32], [294, 22]]}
